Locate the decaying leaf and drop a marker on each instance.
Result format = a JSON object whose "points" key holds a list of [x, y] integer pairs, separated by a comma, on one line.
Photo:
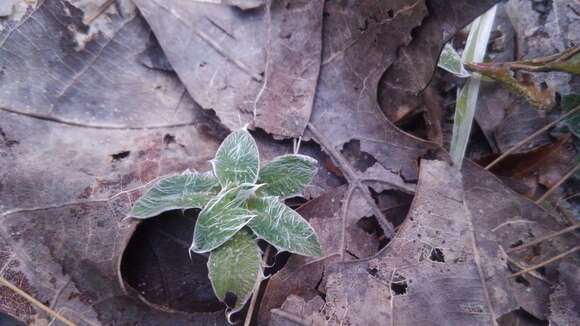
{"points": [[564, 309], [402, 83], [506, 136], [69, 162], [514, 220], [262, 63], [428, 272], [87, 122]]}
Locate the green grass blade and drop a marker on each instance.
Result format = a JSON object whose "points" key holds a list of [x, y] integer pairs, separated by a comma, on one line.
{"points": [[467, 95]]}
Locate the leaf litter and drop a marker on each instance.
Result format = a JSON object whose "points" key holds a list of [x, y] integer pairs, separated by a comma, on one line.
{"points": [[330, 99]]}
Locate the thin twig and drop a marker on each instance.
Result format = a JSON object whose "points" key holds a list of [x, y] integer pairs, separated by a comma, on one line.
{"points": [[532, 273], [353, 179], [530, 137], [102, 8], [252, 306], [522, 266], [35, 302], [546, 262], [544, 238], [560, 182]]}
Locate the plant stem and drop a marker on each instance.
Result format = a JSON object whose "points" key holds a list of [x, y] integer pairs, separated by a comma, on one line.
{"points": [[252, 306]]}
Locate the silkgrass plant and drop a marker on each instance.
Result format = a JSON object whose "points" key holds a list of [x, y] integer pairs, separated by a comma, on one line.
{"points": [[240, 203]]}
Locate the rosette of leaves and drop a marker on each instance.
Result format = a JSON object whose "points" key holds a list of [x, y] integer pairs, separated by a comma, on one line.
{"points": [[240, 203]]}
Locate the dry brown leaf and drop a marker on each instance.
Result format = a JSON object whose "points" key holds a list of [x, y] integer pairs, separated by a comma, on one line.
{"points": [[258, 66], [438, 269]]}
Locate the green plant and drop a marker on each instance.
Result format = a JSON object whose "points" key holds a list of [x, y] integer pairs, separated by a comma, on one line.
{"points": [[239, 204], [466, 104]]}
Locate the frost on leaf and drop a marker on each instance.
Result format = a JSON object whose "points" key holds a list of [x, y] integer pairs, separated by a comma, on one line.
{"points": [[287, 175], [283, 227], [234, 269], [187, 190], [451, 61], [220, 219], [237, 160]]}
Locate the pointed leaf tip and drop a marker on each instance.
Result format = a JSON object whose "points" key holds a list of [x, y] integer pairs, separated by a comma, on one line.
{"points": [[283, 227], [237, 160], [287, 175]]}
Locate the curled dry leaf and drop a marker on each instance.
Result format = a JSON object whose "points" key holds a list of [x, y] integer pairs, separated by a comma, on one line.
{"points": [[76, 232], [261, 63], [63, 229], [442, 272]]}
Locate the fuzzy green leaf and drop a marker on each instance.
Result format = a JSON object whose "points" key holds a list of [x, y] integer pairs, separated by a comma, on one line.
{"points": [[234, 268], [220, 219], [237, 160], [187, 190], [286, 175], [282, 227]]}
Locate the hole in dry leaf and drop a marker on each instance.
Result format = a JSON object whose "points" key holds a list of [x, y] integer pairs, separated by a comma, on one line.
{"points": [[371, 226], [472, 307], [437, 255], [520, 279], [156, 264], [413, 123], [121, 155], [516, 244], [360, 160], [399, 288], [295, 202], [394, 204], [373, 271], [168, 139]]}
